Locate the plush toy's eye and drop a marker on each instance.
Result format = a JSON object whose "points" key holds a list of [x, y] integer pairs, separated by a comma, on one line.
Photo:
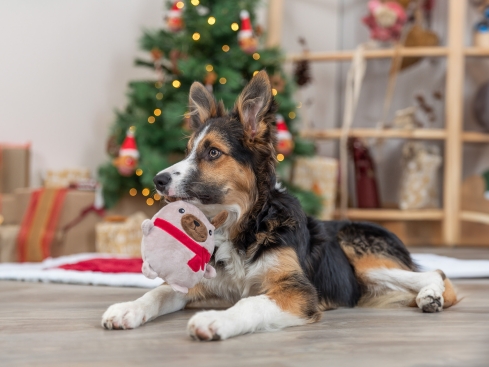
{"points": [[210, 232], [181, 210]]}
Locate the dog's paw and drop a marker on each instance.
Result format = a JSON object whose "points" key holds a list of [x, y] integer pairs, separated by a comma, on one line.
{"points": [[127, 315], [430, 299], [210, 325]]}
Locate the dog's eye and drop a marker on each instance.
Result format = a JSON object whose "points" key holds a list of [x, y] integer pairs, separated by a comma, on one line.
{"points": [[210, 232], [214, 153], [181, 210]]}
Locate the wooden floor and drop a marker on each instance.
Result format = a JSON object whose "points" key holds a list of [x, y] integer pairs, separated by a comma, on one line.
{"points": [[59, 325]]}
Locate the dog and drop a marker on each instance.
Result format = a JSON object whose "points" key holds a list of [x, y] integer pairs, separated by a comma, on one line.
{"points": [[277, 266]]}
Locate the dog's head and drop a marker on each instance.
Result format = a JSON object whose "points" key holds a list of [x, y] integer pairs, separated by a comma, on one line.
{"points": [[230, 162]]}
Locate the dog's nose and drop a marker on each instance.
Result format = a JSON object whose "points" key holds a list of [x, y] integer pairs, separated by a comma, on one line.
{"points": [[161, 181], [197, 224]]}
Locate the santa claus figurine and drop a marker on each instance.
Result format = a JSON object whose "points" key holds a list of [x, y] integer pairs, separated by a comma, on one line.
{"points": [[174, 19], [285, 143], [247, 40], [127, 161]]}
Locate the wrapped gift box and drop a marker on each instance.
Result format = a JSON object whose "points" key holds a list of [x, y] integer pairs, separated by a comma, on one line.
{"points": [[320, 175], [14, 167], [8, 243]]}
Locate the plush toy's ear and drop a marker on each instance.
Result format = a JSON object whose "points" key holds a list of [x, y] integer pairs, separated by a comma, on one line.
{"points": [[148, 271], [210, 272], [146, 226], [219, 219]]}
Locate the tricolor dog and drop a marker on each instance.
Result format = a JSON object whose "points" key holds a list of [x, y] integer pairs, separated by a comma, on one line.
{"points": [[277, 266]]}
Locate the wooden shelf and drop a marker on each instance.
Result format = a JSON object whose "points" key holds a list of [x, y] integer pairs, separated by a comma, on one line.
{"points": [[476, 51], [469, 216], [475, 137], [370, 54], [393, 214], [428, 134]]}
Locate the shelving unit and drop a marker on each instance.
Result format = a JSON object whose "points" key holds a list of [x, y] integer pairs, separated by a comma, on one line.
{"points": [[452, 135]]}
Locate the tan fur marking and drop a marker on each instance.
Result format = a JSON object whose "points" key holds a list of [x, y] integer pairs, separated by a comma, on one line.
{"points": [[449, 296], [369, 262], [288, 287]]}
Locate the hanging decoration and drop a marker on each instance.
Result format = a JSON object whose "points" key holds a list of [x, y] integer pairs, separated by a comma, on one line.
{"points": [[174, 19], [278, 82], [157, 56], [247, 40], [127, 161], [385, 20], [285, 143], [302, 68], [112, 146], [210, 80]]}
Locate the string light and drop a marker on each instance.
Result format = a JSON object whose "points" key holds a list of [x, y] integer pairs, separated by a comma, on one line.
{"points": [[274, 91], [139, 172], [157, 197], [234, 26], [196, 36], [256, 56], [209, 67], [150, 201], [180, 4], [195, 2], [292, 115], [299, 105], [133, 192], [132, 129], [151, 119], [280, 157], [225, 48], [255, 72], [211, 20], [157, 112], [176, 84], [158, 85], [159, 96], [222, 80], [145, 192]]}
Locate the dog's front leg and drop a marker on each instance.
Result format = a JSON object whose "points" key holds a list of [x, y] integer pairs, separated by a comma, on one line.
{"points": [[157, 302]]}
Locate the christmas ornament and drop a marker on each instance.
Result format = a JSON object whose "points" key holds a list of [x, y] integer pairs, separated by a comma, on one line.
{"points": [[285, 143], [127, 160], [385, 20], [157, 54], [278, 83], [302, 71], [112, 146], [209, 80], [174, 19], [246, 39]]}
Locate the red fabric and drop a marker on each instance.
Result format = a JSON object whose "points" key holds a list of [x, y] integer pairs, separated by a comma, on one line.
{"points": [[110, 265], [26, 224], [52, 223], [202, 256]]}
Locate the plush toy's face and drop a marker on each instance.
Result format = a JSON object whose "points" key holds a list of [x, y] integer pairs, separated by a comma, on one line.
{"points": [[195, 228]]}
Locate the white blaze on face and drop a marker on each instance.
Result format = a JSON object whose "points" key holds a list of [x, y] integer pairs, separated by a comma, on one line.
{"points": [[180, 171]]}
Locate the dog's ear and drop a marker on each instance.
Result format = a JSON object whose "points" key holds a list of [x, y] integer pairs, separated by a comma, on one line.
{"points": [[219, 219], [202, 105], [253, 104]]}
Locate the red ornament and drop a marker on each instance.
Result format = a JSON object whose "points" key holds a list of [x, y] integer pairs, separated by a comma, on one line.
{"points": [[247, 40], [127, 161], [285, 143], [174, 19]]}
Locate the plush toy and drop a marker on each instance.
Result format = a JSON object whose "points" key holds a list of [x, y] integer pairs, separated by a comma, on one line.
{"points": [[177, 245]]}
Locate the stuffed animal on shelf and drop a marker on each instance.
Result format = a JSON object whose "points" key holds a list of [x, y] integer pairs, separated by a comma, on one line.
{"points": [[177, 245]]}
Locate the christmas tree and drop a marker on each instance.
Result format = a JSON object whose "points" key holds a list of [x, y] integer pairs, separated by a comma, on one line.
{"points": [[211, 41]]}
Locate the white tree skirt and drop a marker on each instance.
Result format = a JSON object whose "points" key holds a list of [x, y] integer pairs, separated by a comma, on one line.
{"points": [[46, 271]]}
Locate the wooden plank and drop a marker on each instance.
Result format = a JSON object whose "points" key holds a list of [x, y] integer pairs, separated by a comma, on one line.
{"points": [[477, 51], [453, 112], [429, 134], [476, 217], [275, 17], [394, 214], [475, 137], [370, 54]]}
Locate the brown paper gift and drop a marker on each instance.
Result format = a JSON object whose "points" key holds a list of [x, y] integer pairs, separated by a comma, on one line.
{"points": [[320, 175], [121, 237], [8, 243], [11, 209], [14, 167]]}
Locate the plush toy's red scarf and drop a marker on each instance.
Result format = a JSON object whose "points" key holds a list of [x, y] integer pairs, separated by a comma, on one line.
{"points": [[202, 256]]}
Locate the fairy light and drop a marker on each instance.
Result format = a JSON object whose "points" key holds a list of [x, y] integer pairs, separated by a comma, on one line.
{"points": [[151, 119], [292, 115], [150, 201], [158, 85], [234, 26], [222, 80], [196, 36], [209, 67], [157, 112], [157, 197], [274, 91], [145, 192], [159, 96], [180, 4], [255, 72], [280, 157], [256, 56], [299, 105], [133, 192], [176, 84], [132, 129], [211, 20], [195, 2], [139, 172], [225, 48]]}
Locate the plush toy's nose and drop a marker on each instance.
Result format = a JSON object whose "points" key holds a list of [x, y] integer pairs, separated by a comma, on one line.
{"points": [[161, 181], [197, 224]]}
